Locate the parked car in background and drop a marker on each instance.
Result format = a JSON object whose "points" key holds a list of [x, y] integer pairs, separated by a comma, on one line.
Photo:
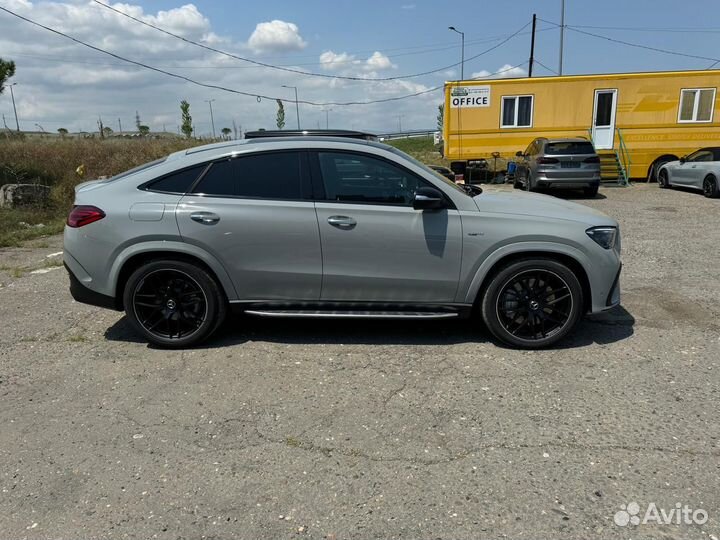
{"points": [[558, 163], [700, 170], [331, 227], [447, 173]]}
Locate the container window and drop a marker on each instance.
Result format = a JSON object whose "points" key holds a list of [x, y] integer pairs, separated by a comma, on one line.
{"points": [[517, 111], [696, 105]]}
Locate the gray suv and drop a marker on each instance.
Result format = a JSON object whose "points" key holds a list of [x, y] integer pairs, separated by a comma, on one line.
{"points": [[331, 227], [559, 163]]}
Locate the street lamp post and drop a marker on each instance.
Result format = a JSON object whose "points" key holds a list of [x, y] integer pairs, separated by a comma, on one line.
{"points": [[462, 51], [327, 118], [212, 120], [12, 95], [297, 106]]}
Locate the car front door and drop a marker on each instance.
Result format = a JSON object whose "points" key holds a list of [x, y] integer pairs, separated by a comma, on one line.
{"points": [[254, 214], [375, 246], [699, 166]]}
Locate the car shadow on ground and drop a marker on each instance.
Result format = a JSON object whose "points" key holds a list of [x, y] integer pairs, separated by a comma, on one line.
{"points": [[572, 195], [608, 327]]}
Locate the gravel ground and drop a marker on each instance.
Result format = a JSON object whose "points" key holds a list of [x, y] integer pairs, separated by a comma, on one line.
{"points": [[370, 430]]}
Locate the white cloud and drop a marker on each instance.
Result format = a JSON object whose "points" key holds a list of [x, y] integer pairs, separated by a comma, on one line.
{"points": [[62, 84], [504, 72], [378, 61], [276, 36]]}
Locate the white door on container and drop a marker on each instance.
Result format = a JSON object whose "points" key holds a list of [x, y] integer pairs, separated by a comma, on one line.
{"points": [[603, 127]]}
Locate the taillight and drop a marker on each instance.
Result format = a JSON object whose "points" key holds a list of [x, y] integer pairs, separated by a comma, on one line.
{"points": [[593, 159], [83, 215], [547, 161]]}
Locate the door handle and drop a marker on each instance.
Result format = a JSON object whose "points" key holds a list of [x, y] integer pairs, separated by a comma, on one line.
{"points": [[206, 218], [342, 222]]}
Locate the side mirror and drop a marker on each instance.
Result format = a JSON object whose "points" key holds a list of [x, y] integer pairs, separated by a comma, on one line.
{"points": [[427, 198], [683, 159], [519, 154]]}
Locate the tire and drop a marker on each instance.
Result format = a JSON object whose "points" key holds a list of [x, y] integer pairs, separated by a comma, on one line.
{"points": [[516, 183], [655, 167], [663, 179], [591, 191], [710, 187], [532, 303], [529, 183], [173, 304]]}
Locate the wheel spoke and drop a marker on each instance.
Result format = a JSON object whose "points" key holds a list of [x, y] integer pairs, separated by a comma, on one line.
{"points": [[556, 300]]}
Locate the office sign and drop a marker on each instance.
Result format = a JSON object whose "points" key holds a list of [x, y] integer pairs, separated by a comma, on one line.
{"points": [[464, 97]]}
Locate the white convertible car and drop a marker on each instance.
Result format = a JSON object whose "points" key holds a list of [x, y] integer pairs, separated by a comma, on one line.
{"points": [[700, 170]]}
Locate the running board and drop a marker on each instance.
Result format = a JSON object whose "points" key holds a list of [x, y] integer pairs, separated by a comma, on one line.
{"points": [[336, 314]]}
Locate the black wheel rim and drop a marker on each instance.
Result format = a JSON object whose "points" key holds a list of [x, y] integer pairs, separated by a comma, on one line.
{"points": [[169, 304], [707, 187], [534, 305], [662, 178]]}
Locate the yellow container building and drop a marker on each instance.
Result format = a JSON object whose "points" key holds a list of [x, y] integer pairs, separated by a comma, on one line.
{"points": [[636, 119]]}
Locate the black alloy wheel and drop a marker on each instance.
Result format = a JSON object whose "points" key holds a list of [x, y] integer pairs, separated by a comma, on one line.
{"points": [[173, 303], [663, 179], [710, 188], [533, 303]]}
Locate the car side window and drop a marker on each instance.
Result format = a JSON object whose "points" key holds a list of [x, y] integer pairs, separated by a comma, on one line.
{"points": [[271, 175], [177, 182], [701, 155], [356, 178]]}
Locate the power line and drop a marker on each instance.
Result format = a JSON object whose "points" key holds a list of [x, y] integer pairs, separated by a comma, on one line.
{"points": [[214, 86], [637, 45], [298, 71], [547, 68], [651, 29]]}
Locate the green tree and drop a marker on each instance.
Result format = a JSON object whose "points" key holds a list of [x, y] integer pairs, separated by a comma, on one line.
{"points": [[226, 131], [186, 127], [440, 116], [7, 70], [63, 132], [144, 130], [280, 115], [107, 131]]}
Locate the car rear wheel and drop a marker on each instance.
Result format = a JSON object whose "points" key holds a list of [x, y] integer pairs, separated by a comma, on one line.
{"points": [[710, 187], [173, 303], [663, 179], [591, 191], [532, 303]]}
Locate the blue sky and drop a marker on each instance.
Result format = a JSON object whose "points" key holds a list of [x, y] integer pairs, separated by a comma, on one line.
{"points": [[62, 84]]}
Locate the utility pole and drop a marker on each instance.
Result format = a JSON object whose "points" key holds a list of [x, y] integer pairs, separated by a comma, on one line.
{"points": [[212, 120], [12, 95], [462, 51], [100, 128], [235, 129], [562, 35], [400, 116], [120, 126], [327, 118], [297, 106], [532, 46]]}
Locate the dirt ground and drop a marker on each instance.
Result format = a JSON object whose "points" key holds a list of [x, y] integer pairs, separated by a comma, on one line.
{"points": [[346, 429]]}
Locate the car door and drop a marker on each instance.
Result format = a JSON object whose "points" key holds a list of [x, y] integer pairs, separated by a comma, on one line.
{"points": [[254, 214], [375, 246], [524, 164], [699, 166]]}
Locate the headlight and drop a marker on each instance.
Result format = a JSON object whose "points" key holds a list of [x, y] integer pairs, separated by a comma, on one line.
{"points": [[603, 236]]}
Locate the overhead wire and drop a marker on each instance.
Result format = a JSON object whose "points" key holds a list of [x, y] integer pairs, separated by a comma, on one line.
{"points": [[299, 71], [256, 95]]}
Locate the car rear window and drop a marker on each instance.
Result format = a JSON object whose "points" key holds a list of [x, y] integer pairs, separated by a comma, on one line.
{"points": [[569, 147], [272, 175], [177, 182]]}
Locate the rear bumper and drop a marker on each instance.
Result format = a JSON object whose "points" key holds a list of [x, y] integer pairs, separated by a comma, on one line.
{"points": [[84, 295]]}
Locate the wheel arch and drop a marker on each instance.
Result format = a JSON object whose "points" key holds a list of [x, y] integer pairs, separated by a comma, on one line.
{"points": [[653, 169], [481, 282], [126, 265]]}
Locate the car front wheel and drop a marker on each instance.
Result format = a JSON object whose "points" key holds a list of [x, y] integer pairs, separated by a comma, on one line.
{"points": [[710, 187], [663, 179], [173, 304], [532, 303]]}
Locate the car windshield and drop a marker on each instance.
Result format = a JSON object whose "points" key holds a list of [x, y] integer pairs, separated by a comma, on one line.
{"points": [[428, 169], [569, 147]]}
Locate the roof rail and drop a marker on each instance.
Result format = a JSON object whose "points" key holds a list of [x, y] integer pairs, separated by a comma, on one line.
{"points": [[346, 133]]}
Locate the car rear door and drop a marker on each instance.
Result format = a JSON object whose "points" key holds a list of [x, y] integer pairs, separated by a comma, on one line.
{"points": [[375, 246], [254, 214]]}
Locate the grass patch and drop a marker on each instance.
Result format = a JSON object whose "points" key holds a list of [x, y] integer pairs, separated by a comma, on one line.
{"points": [[20, 224], [421, 148]]}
